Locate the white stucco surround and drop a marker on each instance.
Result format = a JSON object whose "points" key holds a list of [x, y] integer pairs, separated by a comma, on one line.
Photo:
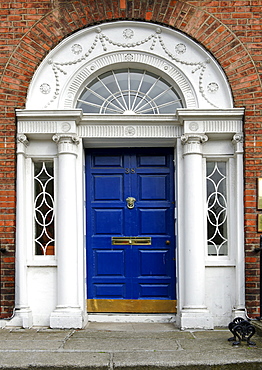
{"points": [[50, 290]]}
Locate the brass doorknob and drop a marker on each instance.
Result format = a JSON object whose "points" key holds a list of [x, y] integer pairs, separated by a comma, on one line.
{"points": [[167, 242]]}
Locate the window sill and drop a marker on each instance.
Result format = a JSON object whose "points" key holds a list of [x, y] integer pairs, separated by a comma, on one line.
{"points": [[220, 263], [42, 262]]}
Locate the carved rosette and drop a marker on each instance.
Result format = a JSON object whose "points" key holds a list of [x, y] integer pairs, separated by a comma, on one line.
{"points": [[67, 144], [192, 143]]}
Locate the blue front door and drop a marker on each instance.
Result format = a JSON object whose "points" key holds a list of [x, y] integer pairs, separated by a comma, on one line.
{"points": [[130, 228]]}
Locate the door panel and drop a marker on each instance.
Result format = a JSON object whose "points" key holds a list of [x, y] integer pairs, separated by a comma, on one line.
{"points": [[153, 221], [153, 262], [108, 187], [152, 160], [152, 187], [151, 290], [105, 160], [113, 290], [109, 263], [130, 271], [108, 221]]}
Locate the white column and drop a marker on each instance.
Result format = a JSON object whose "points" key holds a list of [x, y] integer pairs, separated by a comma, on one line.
{"points": [[194, 313], [239, 309], [68, 313], [23, 314]]}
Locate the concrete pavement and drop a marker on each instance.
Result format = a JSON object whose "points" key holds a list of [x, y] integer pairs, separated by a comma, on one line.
{"points": [[127, 346]]}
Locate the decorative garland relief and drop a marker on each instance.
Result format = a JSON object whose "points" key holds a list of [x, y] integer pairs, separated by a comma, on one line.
{"points": [[153, 40]]}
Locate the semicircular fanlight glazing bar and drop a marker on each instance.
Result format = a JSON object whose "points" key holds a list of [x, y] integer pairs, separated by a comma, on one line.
{"points": [[129, 91]]}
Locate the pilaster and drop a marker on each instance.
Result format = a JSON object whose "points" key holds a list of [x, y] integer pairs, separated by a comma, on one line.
{"points": [[23, 311], [239, 309]]}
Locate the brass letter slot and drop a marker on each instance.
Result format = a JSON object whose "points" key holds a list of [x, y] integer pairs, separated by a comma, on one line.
{"points": [[129, 240]]}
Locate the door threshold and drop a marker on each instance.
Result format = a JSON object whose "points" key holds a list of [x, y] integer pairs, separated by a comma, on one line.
{"points": [[129, 318]]}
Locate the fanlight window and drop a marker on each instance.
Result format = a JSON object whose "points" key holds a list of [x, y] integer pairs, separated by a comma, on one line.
{"points": [[129, 91]]}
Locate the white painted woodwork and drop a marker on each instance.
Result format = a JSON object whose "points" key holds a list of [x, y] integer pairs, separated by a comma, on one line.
{"points": [[203, 129]]}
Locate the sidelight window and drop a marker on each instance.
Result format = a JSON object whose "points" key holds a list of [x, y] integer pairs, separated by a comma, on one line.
{"points": [[129, 91], [44, 207], [217, 209]]}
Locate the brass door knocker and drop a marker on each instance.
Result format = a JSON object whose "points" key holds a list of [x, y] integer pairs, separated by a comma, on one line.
{"points": [[130, 202]]}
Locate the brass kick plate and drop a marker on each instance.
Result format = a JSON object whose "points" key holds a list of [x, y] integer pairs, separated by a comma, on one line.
{"points": [[130, 240], [132, 305]]}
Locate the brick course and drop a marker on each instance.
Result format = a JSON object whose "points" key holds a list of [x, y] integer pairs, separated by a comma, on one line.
{"points": [[230, 30]]}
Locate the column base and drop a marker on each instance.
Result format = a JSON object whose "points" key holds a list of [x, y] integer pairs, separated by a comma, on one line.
{"points": [[196, 318], [66, 318], [22, 318], [239, 312]]}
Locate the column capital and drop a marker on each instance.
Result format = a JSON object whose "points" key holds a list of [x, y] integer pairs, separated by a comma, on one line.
{"points": [[192, 143], [66, 143], [238, 140], [22, 143]]}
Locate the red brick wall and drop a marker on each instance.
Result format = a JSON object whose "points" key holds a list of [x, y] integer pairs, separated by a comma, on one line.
{"points": [[230, 30]]}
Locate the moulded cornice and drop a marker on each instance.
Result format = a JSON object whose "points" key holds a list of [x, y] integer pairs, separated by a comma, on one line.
{"points": [[184, 114], [78, 116], [45, 115]]}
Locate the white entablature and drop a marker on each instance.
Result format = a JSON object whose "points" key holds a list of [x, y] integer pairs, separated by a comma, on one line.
{"points": [[210, 121], [177, 59]]}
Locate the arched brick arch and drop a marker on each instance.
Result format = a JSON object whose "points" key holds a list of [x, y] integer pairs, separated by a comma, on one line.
{"points": [[39, 30], [186, 16]]}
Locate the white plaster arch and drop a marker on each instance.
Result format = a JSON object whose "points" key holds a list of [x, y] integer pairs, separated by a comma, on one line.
{"points": [[193, 70], [143, 60]]}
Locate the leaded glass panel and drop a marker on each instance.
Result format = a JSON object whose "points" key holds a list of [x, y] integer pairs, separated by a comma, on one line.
{"points": [[44, 207], [217, 209]]}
